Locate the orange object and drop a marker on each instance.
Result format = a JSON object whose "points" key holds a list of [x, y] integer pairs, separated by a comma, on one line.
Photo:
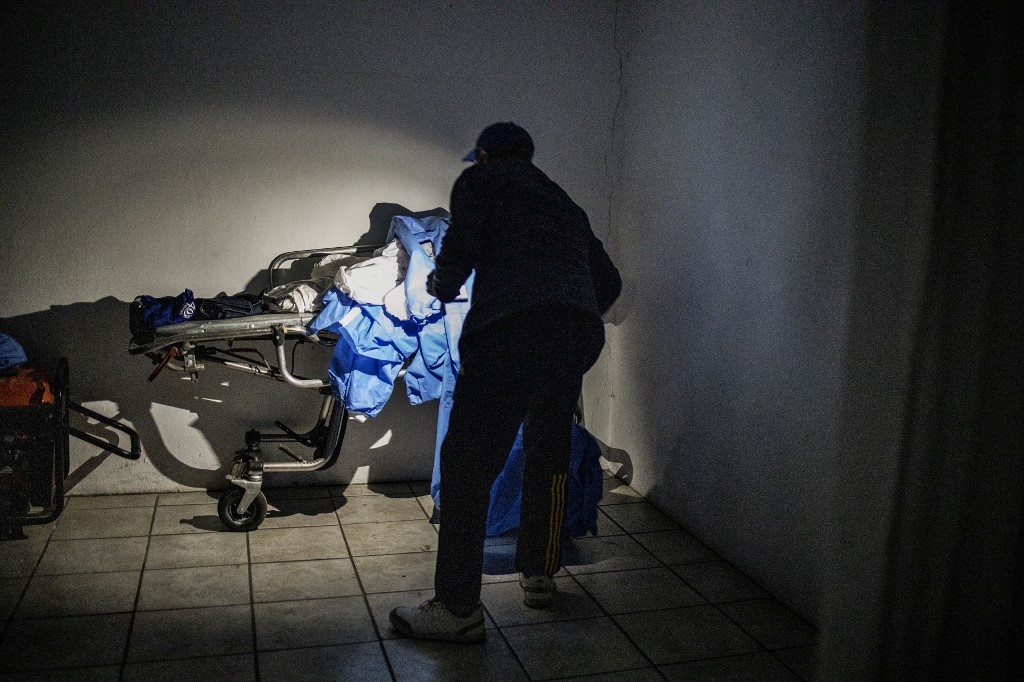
{"points": [[25, 387]]}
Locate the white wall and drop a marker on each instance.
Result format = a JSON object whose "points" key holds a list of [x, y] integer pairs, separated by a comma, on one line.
{"points": [[739, 215], [149, 148], [897, 207]]}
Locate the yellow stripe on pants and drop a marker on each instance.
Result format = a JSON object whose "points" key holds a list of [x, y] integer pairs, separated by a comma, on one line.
{"points": [[556, 520]]}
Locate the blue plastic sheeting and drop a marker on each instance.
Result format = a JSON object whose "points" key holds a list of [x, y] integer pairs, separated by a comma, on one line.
{"points": [[411, 233], [454, 315], [585, 488], [373, 345], [429, 228], [423, 377]]}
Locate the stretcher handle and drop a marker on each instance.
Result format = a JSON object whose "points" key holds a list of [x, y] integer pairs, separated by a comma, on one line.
{"points": [[282, 365], [171, 353], [354, 249], [136, 446]]}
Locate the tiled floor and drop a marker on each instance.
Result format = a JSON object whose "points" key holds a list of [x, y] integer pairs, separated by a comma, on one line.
{"points": [[151, 587]]}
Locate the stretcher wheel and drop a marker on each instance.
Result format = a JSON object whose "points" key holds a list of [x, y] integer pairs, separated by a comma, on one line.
{"points": [[227, 509]]}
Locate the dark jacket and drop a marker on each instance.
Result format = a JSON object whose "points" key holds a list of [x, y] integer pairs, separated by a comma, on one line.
{"points": [[530, 244]]}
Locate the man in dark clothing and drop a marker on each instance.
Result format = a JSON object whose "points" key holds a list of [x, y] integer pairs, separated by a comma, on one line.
{"points": [[543, 281]]}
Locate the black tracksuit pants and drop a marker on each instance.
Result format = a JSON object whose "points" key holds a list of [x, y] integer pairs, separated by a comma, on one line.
{"points": [[525, 369]]}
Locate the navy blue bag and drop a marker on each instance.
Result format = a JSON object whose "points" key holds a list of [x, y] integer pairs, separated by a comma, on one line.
{"points": [[224, 307], [147, 313]]}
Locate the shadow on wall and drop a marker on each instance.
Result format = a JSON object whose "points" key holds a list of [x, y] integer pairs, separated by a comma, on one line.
{"points": [[617, 461], [190, 429], [623, 306], [381, 216]]}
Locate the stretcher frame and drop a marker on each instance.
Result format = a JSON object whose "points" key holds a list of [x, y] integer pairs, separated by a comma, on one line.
{"points": [[189, 346]]}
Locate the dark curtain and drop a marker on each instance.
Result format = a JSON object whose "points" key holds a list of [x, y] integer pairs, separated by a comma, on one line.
{"points": [[954, 605]]}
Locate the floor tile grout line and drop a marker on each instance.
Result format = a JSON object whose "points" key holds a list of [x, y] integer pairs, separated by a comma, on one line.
{"points": [[575, 576], [252, 610], [716, 605], [766, 594], [787, 666], [576, 579], [368, 523], [366, 602], [33, 619], [304, 647], [775, 653], [653, 668], [172, 659], [604, 611], [616, 623], [590, 676], [138, 593], [508, 644], [694, 588], [28, 581], [761, 647], [679, 526], [423, 507], [724, 657]]}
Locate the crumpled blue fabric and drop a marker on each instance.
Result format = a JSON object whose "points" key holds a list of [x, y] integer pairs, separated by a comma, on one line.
{"points": [[423, 376], [411, 233], [585, 488], [11, 353], [429, 228], [454, 316], [373, 345]]}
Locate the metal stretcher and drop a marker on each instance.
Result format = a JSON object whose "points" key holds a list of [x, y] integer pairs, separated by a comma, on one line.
{"points": [[190, 346]]}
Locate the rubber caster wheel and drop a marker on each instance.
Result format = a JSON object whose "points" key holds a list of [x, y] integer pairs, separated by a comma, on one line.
{"points": [[251, 519]]}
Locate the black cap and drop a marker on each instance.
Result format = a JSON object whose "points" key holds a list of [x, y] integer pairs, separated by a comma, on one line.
{"points": [[503, 137]]}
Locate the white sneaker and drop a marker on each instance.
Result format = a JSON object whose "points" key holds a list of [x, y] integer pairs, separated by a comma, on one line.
{"points": [[433, 620], [538, 590]]}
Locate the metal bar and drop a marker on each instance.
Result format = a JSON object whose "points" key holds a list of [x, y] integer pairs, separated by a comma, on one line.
{"points": [[328, 251], [282, 363], [100, 443], [327, 453], [136, 447]]}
